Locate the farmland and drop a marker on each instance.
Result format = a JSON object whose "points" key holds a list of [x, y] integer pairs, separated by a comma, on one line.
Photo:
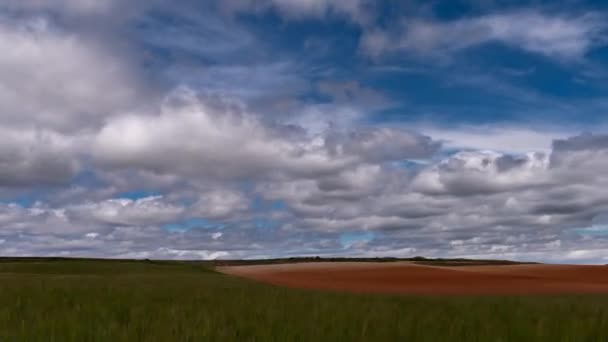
{"points": [[99, 300], [432, 277]]}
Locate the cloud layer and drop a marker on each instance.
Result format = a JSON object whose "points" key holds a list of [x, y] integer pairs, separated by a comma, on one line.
{"points": [[555, 36], [198, 135]]}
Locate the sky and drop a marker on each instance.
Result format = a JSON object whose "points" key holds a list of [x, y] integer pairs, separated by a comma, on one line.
{"points": [[271, 128]]}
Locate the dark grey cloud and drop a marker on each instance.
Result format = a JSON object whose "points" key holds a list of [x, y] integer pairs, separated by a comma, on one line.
{"points": [[36, 157], [581, 142], [383, 144], [579, 151]]}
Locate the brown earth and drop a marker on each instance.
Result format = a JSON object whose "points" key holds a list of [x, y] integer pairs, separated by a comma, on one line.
{"points": [[410, 278]]}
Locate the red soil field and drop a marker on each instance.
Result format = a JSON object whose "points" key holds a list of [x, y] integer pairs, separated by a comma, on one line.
{"points": [[409, 278]]}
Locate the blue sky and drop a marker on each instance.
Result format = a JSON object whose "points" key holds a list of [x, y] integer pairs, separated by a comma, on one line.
{"points": [[241, 128]]}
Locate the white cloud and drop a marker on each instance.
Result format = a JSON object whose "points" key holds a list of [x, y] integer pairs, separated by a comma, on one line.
{"points": [[468, 173], [565, 37], [166, 253], [218, 204], [141, 212], [57, 80], [517, 140], [193, 139], [383, 144], [482, 204]]}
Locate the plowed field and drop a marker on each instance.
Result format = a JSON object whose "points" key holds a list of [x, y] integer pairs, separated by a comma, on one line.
{"points": [[410, 278]]}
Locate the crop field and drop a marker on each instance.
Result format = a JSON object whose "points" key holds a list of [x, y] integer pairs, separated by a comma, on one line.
{"points": [[98, 300], [431, 278]]}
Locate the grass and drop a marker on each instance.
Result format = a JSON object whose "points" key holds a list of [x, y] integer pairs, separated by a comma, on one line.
{"points": [[96, 300]]}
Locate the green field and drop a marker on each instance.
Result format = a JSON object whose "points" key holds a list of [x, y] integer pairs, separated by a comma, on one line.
{"points": [[95, 300]]}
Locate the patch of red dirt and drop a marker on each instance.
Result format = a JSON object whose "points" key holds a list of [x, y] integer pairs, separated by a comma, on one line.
{"points": [[410, 278]]}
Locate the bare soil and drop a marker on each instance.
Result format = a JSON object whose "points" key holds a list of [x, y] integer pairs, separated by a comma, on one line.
{"points": [[411, 278]]}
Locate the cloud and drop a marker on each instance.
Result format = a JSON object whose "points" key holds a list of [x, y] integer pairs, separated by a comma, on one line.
{"points": [[564, 37], [259, 152], [354, 94], [220, 204], [56, 88], [383, 144], [121, 211], [359, 11], [583, 142], [38, 231], [468, 204], [468, 173], [36, 158], [196, 35], [54, 79], [475, 204], [16, 220], [114, 227], [516, 140], [172, 253], [191, 138], [585, 150], [71, 6]]}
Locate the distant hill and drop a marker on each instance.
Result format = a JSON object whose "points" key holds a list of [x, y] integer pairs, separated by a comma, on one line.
{"points": [[418, 260], [239, 262]]}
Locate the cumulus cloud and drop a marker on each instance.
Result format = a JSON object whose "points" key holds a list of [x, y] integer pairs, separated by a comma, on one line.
{"points": [[58, 232], [36, 157], [89, 166], [56, 88], [56, 79], [213, 144], [16, 220], [467, 173], [383, 144], [172, 253], [471, 204], [581, 156], [188, 137], [141, 212], [115, 227], [583, 142], [220, 204], [557, 36], [476, 203]]}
